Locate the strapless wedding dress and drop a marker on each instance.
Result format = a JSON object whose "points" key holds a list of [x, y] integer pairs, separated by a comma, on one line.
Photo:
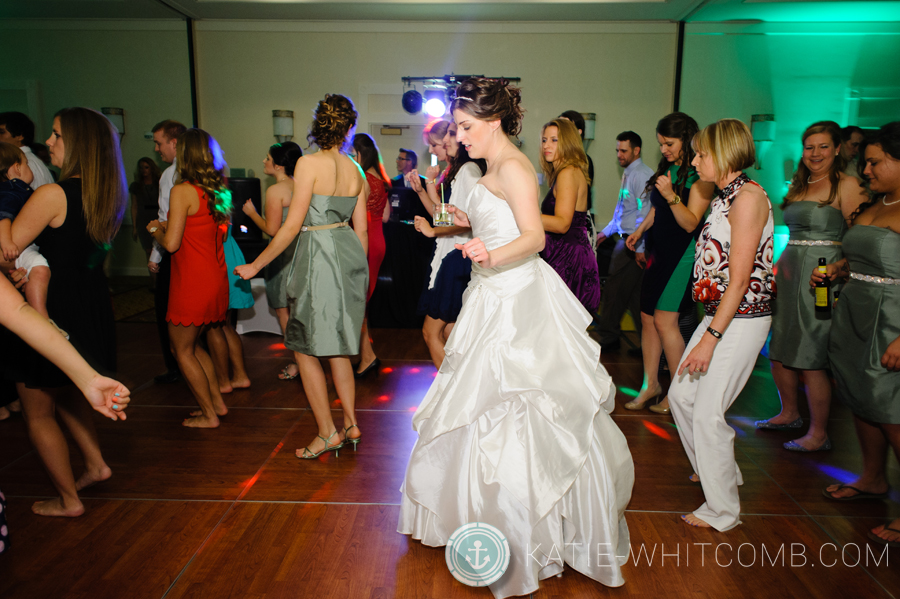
{"points": [[515, 430]]}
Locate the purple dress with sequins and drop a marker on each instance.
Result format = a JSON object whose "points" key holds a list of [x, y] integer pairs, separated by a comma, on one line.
{"points": [[572, 257]]}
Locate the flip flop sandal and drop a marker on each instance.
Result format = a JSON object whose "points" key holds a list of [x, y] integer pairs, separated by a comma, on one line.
{"points": [[880, 541], [287, 376], [859, 494]]}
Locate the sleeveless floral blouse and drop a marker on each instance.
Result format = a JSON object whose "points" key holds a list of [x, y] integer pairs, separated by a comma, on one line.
{"points": [[710, 277]]}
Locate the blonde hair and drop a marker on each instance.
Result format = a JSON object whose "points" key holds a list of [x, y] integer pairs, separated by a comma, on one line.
{"points": [[201, 163], [800, 180], [92, 152], [569, 151], [729, 143], [10, 156]]}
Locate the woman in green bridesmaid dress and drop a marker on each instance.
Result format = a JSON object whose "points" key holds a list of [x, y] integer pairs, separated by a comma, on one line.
{"points": [[816, 210], [328, 277], [864, 348]]}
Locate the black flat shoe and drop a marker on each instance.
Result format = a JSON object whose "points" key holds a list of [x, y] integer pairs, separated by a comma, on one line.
{"points": [[376, 363]]}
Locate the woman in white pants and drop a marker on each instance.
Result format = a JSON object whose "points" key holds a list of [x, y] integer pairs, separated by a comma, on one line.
{"points": [[733, 278]]}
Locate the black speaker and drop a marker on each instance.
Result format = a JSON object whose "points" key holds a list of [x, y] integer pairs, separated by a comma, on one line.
{"points": [[243, 189]]}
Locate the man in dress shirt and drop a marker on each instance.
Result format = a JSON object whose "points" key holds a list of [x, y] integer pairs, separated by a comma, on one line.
{"points": [[18, 130], [406, 161], [165, 139], [851, 137], [623, 285]]}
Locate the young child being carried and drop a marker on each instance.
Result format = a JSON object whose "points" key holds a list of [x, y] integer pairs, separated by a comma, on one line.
{"points": [[15, 180]]}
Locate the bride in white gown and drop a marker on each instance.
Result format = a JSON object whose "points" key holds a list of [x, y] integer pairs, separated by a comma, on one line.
{"points": [[515, 430]]}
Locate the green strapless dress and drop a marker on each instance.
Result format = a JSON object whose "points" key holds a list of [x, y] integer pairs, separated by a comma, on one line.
{"points": [[276, 273], [799, 334], [327, 283], [866, 320]]}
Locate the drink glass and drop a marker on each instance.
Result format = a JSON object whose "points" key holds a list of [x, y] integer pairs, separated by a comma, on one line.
{"points": [[442, 218]]}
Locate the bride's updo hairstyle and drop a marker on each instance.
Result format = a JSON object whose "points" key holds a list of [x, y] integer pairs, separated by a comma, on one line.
{"points": [[491, 100], [335, 115]]}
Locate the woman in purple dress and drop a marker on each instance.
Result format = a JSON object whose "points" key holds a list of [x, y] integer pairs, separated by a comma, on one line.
{"points": [[564, 212]]}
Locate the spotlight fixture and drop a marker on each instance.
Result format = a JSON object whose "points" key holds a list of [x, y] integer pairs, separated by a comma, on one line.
{"points": [[435, 102], [439, 92], [283, 125], [412, 101], [116, 116]]}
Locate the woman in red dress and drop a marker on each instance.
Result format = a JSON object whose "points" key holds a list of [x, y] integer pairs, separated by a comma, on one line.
{"points": [[199, 210], [378, 210]]}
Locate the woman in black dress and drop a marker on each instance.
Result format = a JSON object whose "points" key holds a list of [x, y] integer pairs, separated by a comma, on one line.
{"points": [[73, 222]]}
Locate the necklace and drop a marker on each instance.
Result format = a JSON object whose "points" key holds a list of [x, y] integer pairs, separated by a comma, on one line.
{"points": [[886, 203], [816, 181]]}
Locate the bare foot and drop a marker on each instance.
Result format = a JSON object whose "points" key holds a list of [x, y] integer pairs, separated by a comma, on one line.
{"points": [[695, 521], [841, 491], [201, 422], [4, 413], [219, 408], [241, 383], [694, 478], [55, 507], [227, 388], [351, 432], [15, 406], [92, 477]]}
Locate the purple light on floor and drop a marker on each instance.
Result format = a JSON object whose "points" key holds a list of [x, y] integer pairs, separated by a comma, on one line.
{"points": [[838, 474], [414, 370]]}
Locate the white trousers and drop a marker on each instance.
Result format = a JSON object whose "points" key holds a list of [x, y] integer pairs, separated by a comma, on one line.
{"points": [[699, 403]]}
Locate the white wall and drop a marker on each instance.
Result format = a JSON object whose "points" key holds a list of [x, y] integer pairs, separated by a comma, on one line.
{"points": [[624, 72], [140, 66]]}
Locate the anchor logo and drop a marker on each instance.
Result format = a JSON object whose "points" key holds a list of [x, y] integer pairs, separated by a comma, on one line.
{"points": [[477, 549]]}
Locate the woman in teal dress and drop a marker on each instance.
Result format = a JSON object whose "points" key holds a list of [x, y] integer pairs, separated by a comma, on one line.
{"points": [[329, 275], [864, 347], [817, 209], [225, 345], [679, 202]]}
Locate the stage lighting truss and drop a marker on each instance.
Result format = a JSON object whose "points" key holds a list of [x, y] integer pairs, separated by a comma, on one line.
{"points": [[439, 92]]}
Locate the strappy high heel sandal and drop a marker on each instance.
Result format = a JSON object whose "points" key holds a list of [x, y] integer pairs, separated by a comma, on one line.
{"points": [[306, 454], [355, 441]]}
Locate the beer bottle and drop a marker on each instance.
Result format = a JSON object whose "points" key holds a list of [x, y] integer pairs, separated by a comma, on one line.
{"points": [[823, 292]]}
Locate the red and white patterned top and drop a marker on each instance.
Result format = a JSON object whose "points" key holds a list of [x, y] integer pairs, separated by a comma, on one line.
{"points": [[710, 277]]}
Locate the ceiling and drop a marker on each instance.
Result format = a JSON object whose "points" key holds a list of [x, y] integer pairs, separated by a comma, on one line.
{"points": [[471, 10]]}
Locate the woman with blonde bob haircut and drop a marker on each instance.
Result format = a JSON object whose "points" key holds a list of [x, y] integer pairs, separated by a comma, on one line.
{"points": [[564, 215], [73, 222], [199, 207], [732, 277]]}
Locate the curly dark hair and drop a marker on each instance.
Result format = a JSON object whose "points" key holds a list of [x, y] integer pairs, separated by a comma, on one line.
{"points": [[888, 137], [683, 127], [334, 117], [286, 154], [491, 100], [201, 163]]}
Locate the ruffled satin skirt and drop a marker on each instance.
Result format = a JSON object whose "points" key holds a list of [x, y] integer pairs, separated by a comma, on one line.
{"points": [[515, 432]]}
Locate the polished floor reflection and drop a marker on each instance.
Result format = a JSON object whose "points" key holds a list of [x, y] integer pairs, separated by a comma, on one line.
{"points": [[232, 513]]}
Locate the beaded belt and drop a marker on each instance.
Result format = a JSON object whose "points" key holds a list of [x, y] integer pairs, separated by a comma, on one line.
{"points": [[811, 242], [871, 279], [323, 227]]}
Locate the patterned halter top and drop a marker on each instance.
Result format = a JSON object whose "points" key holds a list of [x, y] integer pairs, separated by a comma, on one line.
{"points": [[710, 277]]}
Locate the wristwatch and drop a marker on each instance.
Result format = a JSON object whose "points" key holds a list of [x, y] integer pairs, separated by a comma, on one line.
{"points": [[677, 200]]}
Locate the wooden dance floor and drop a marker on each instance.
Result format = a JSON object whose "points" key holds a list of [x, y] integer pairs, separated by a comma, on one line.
{"points": [[232, 513]]}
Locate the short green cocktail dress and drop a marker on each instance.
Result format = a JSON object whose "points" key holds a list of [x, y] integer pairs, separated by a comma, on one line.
{"points": [[799, 334], [327, 284], [866, 320]]}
